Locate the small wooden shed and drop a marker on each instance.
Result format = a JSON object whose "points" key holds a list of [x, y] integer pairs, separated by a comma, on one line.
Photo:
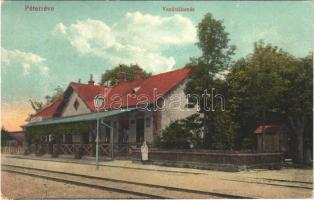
{"points": [[271, 138]]}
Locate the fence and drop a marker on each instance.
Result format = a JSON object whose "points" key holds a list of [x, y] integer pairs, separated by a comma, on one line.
{"points": [[120, 150], [13, 149], [211, 159]]}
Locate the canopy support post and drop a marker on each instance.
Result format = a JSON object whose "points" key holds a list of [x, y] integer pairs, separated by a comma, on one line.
{"points": [[111, 142], [97, 145]]}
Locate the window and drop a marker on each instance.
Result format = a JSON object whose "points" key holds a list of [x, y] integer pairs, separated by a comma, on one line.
{"points": [[76, 104], [134, 90]]}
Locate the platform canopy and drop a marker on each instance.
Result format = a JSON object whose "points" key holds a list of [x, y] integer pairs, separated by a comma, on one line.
{"points": [[80, 118]]}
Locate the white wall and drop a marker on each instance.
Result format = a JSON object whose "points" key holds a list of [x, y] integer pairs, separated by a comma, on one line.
{"points": [[69, 108], [172, 112]]}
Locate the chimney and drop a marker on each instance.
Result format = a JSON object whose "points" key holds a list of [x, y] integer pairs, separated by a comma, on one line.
{"points": [[138, 74], [91, 82], [121, 77]]}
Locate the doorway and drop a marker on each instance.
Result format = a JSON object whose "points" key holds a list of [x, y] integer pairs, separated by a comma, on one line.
{"points": [[139, 130], [123, 131]]}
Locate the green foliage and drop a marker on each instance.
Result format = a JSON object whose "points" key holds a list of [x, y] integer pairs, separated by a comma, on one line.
{"points": [[249, 142], [216, 58], [298, 101], [256, 87], [214, 43], [4, 136], [175, 136], [111, 75], [223, 130], [260, 77], [182, 134], [270, 87]]}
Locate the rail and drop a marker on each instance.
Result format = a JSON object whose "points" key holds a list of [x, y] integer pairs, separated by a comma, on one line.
{"points": [[145, 190]]}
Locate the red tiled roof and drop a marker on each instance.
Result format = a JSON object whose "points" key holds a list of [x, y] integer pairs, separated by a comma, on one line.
{"points": [[88, 91], [49, 110], [267, 129], [161, 83]]}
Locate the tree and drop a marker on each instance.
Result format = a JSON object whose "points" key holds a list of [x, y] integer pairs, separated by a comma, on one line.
{"points": [[39, 105], [111, 75], [254, 87], [223, 130], [297, 104], [58, 91], [214, 43], [215, 59], [4, 136], [271, 87]]}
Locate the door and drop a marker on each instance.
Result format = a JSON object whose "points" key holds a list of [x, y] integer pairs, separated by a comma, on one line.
{"points": [[123, 131], [139, 130]]}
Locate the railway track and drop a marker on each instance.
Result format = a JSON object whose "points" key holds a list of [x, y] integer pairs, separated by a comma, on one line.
{"points": [[121, 186]]}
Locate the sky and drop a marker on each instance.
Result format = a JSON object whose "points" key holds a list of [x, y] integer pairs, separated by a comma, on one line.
{"points": [[43, 50]]}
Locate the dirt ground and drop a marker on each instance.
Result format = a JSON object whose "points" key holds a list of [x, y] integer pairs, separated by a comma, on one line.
{"points": [[259, 183], [16, 186]]}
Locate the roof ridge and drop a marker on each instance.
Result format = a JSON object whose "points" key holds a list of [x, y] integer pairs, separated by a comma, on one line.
{"points": [[168, 72], [97, 85], [128, 82], [156, 75]]}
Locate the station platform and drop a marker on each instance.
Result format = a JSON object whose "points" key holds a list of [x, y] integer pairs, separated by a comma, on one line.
{"points": [[284, 183]]}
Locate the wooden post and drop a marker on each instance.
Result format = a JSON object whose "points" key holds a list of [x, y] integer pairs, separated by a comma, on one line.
{"points": [[111, 141], [97, 145]]}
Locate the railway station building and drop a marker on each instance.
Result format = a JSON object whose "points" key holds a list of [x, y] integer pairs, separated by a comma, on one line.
{"points": [[134, 111]]}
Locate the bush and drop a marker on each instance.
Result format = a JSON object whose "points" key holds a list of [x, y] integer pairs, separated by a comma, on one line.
{"points": [[182, 134], [249, 142], [176, 136]]}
